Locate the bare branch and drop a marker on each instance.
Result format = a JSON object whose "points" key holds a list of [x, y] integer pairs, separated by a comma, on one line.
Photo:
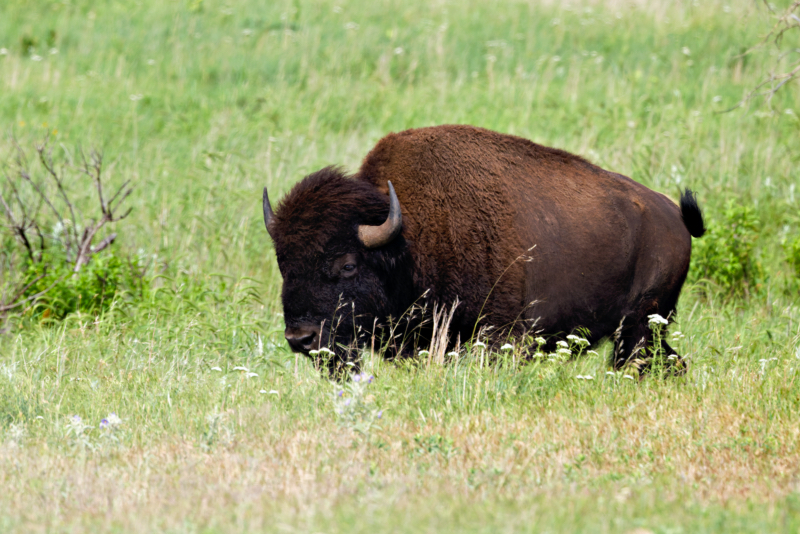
{"points": [[7, 307], [22, 290], [128, 192], [787, 21], [47, 162], [93, 170], [104, 243], [110, 202], [9, 213], [27, 177]]}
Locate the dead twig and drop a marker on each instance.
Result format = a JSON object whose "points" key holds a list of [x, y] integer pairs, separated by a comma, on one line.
{"points": [[18, 303], [93, 169], [788, 20]]}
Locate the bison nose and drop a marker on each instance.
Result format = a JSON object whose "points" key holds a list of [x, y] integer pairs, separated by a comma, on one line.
{"points": [[302, 338]]}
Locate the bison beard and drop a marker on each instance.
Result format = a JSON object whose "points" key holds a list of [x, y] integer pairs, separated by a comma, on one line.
{"points": [[524, 237]]}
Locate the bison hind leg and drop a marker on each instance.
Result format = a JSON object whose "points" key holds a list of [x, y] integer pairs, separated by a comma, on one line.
{"points": [[674, 363], [633, 344]]}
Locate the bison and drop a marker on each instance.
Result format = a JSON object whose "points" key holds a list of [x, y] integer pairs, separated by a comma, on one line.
{"points": [[519, 237]]}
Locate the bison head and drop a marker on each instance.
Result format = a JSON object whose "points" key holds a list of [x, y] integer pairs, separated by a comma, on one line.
{"points": [[345, 266]]}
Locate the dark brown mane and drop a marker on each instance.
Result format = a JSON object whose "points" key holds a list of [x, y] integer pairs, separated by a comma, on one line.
{"points": [[327, 204]]}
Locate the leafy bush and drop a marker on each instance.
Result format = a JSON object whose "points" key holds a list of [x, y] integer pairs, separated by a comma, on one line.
{"points": [[91, 290], [52, 260], [792, 249], [726, 255]]}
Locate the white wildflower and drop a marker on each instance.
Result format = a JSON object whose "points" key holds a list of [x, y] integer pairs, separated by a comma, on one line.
{"points": [[325, 350], [656, 319], [572, 337], [3, 51], [565, 352], [592, 352], [251, 375], [424, 353], [480, 344], [629, 377], [540, 340], [36, 57], [453, 354], [563, 344], [216, 369], [507, 346]]}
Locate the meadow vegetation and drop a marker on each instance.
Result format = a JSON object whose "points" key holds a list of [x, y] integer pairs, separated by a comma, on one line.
{"points": [[173, 404]]}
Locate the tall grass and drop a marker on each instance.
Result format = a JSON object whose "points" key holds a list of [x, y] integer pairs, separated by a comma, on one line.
{"points": [[202, 103]]}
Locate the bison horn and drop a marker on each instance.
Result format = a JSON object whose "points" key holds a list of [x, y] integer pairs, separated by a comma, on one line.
{"points": [[267, 210], [376, 236]]}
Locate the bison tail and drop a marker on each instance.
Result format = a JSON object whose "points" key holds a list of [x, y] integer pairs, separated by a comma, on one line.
{"points": [[691, 214]]}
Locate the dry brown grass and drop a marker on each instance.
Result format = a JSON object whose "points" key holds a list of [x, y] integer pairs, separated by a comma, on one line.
{"points": [[669, 445]]}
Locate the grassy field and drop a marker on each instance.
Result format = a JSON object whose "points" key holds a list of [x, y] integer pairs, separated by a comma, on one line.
{"points": [[217, 427]]}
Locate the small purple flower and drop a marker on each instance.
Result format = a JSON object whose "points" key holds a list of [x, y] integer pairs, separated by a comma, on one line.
{"points": [[380, 414], [370, 379], [76, 418], [356, 378], [341, 393], [104, 423], [347, 402]]}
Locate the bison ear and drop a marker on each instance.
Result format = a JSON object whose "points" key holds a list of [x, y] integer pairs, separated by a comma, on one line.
{"points": [[268, 216], [377, 236]]}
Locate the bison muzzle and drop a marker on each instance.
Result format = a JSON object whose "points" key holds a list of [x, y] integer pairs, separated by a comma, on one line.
{"points": [[520, 238]]}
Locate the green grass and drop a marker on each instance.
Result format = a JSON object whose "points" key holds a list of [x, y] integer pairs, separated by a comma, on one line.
{"points": [[202, 103]]}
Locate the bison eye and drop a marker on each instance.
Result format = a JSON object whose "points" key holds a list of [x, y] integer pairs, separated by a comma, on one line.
{"points": [[345, 266], [348, 270]]}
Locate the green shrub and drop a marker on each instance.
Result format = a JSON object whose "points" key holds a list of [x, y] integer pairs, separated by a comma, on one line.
{"points": [[792, 249], [92, 290], [726, 255]]}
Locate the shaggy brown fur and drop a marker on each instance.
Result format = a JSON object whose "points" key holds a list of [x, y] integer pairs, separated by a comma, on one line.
{"points": [[524, 236]]}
